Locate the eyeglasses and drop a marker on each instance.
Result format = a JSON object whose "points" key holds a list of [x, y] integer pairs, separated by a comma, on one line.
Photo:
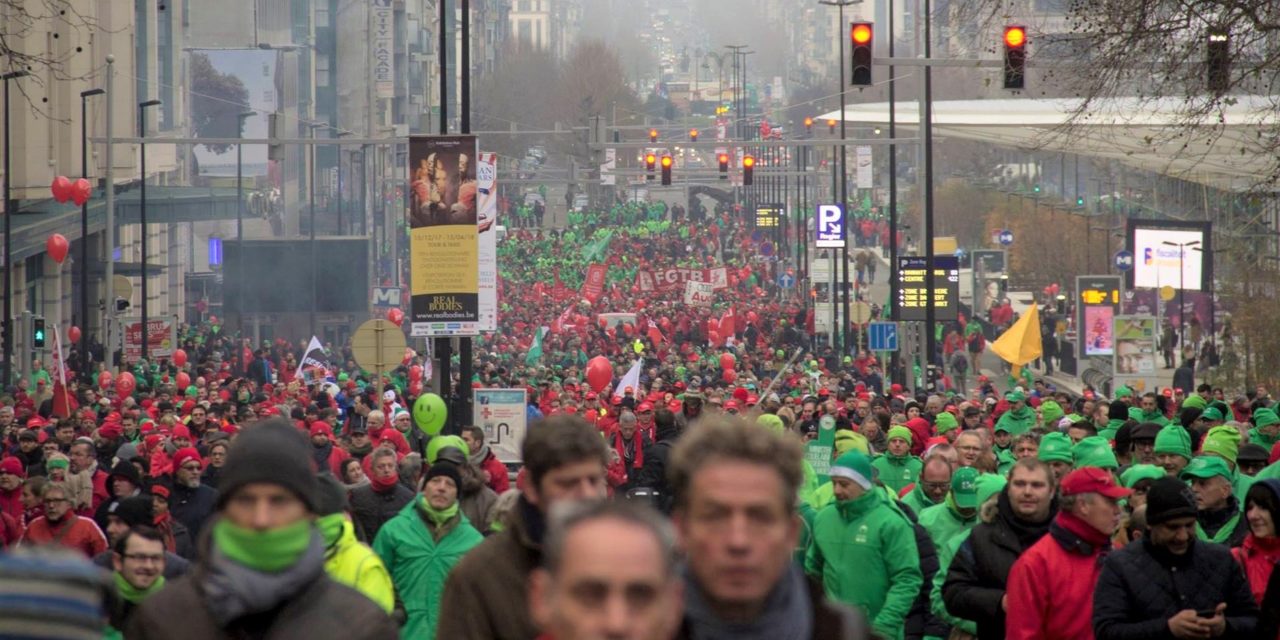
{"points": [[144, 557], [937, 486]]}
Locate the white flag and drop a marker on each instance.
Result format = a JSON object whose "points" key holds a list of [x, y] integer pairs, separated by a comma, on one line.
{"points": [[312, 363], [632, 379]]}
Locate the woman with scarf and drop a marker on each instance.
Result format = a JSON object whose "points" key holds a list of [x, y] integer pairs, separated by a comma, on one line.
{"points": [[1260, 552]]}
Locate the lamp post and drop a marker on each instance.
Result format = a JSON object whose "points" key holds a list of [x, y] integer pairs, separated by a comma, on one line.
{"points": [[8, 216], [142, 212], [844, 178], [1194, 245], [240, 118], [311, 206], [84, 223]]}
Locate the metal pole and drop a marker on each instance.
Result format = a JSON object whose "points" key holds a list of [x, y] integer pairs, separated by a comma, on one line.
{"points": [[142, 216], [311, 206], [891, 370], [240, 238], [444, 348], [844, 199], [464, 90], [108, 284], [8, 253], [84, 227], [931, 336]]}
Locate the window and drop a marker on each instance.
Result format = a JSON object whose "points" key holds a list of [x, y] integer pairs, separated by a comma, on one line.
{"points": [[322, 14], [523, 6], [322, 70]]}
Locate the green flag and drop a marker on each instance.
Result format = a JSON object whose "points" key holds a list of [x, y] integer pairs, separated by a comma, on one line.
{"points": [[535, 351]]}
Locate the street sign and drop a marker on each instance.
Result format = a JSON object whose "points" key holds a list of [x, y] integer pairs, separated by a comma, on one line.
{"points": [[378, 346], [121, 287], [1167, 293], [1124, 260], [830, 226], [882, 336], [1006, 237], [786, 281], [386, 296]]}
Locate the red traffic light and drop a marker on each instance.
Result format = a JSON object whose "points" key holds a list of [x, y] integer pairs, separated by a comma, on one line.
{"points": [[723, 158], [650, 159], [693, 135], [861, 33], [1015, 36], [653, 135], [748, 161], [808, 122], [666, 162]]}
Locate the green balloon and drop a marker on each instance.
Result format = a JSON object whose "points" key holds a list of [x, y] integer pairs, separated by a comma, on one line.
{"points": [[439, 442], [429, 413]]}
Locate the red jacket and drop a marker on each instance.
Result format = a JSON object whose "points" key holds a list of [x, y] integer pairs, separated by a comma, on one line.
{"points": [[74, 532], [1258, 556], [11, 503], [1050, 592], [499, 481]]}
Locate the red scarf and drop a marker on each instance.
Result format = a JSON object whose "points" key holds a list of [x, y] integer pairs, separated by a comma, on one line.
{"points": [[164, 524], [621, 448], [1086, 531], [383, 486]]}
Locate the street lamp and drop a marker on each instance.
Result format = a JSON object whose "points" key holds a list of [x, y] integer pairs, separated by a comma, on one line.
{"points": [[240, 118], [311, 205], [1194, 245], [844, 178], [142, 212], [8, 216], [84, 223]]}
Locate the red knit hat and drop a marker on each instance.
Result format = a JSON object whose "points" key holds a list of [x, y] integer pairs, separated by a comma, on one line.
{"points": [[186, 455], [13, 466]]}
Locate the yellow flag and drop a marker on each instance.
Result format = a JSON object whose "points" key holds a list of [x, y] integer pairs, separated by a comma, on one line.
{"points": [[1021, 343]]}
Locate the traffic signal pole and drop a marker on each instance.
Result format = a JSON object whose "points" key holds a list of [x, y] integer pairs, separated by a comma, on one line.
{"points": [[926, 119]]}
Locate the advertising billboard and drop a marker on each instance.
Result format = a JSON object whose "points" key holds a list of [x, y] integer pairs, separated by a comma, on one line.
{"points": [[1097, 304], [1170, 253], [444, 246]]}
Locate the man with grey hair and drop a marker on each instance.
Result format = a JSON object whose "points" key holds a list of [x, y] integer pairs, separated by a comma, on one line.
{"points": [[629, 442], [619, 582]]}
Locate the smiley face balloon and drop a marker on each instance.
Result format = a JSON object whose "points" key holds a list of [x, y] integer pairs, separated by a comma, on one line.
{"points": [[429, 413]]}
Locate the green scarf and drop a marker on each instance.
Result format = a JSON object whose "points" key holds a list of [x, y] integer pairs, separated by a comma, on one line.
{"points": [[268, 551], [438, 516], [132, 593], [1223, 534], [330, 527]]}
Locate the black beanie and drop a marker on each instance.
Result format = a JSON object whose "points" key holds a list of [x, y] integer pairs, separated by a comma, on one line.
{"points": [[1117, 411], [1169, 498], [133, 511], [331, 497], [446, 469], [271, 451]]}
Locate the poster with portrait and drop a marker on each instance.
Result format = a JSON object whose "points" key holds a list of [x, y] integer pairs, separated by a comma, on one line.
{"points": [[988, 280], [1135, 352], [444, 245]]}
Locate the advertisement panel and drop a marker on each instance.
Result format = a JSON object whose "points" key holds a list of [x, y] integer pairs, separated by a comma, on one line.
{"points": [[501, 413], [254, 71], [162, 338], [989, 280], [1168, 253], [1135, 353], [487, 223], [382, 39], [444, 247], [1097, 303]]}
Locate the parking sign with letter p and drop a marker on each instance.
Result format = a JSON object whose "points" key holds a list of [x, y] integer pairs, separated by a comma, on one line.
{"points": [[829, 226]]}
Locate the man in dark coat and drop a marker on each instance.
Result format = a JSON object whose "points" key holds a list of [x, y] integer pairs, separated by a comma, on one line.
{"points": [[373, 504], [1171, 583], [979, 573], [261, 571], [653, 475]]}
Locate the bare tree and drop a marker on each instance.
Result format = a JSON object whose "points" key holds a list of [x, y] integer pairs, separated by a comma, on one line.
{"points": [[22, 21]]}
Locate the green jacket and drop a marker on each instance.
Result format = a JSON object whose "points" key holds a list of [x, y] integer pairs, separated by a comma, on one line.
{"points": [[1017, 421], [1004, 461], [419, 563], [1154, 416], [1256, 436], [944, 523], [1109, 431], [356, 565], [918, 500], [936, 605], [864, 552], [897, 472]]}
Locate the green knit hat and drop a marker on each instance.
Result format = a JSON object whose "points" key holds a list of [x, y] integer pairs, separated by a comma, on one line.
{"points": [[855, 466], [1194, 401], [1212, 414], [1138, 472], [899, 431], [1206, 467], [989, 484], [1265, 417], [847, 440], [771, 422], [1094, 451], [1123, 392], [1223, 441], [1055, 447], [1174, 439], [945, 422], [1051, 412]]}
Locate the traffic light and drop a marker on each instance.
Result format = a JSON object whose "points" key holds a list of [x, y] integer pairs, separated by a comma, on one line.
{"points": [[37, 332], [653, 135], [861, 34], [693, 135], [650, 161], [1036, 188], [748, 170], [1079, 201], [1218, 61], [831, 126], [724, 166], [666, 169], [1015, 57], [808, 125]]}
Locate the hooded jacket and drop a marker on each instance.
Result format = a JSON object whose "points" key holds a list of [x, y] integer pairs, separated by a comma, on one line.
{"points": [[944, 522], [917, 499], [419, 563], [350, 562], [979, 570], [499, 480], [865, 553], [897, 472], [1017, 421], [1051, 585]]}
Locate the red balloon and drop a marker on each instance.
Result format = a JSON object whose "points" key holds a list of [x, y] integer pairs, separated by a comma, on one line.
{"points": [[183, 380], [81, 189], [415, 388], [727, 361], [57, 247], [730, 375], [180, 357], [415, 373], [395, 316], [61, 188], [640, 303], [599, 373], [104, 379], [73, 334], [125, 384]]}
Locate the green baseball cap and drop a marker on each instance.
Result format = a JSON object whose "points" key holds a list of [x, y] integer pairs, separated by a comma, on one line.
{"points": [[1206, 467], [1139, 472], [1212, 414], [964, 487]]}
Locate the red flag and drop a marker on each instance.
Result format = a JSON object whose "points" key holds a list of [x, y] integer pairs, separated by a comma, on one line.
{"points": [[727, 325], [655, 334], [559, 324]]}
